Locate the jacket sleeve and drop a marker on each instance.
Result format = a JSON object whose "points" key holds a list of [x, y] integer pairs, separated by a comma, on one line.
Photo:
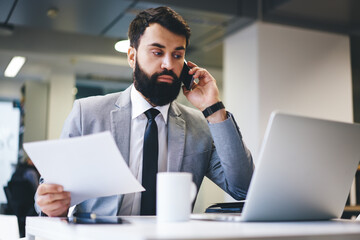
{"points": [[73, 123], [231, 166]]}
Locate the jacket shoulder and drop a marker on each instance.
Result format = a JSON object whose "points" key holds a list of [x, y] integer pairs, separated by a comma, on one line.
{"points": [[99, 102]]}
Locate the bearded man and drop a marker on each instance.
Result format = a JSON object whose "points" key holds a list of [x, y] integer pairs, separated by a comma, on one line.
{"points": [[205, 143]]}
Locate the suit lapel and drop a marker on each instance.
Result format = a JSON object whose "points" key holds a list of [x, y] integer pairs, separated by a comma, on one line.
{"points": [[176, 138], [120, 119], [121, 123]]}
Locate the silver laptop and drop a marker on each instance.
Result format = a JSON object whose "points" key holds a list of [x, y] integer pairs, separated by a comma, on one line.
{"points": [[305, 170]]}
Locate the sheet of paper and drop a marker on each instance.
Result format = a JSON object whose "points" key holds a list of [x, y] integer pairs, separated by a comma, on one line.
{"points": [[89, 166]]}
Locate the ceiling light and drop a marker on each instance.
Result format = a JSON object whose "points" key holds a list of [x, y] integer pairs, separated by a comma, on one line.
{"points": [[52, 13], [122, 46], [14, 66]]}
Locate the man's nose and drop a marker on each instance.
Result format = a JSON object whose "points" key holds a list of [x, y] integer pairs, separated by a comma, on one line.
{"points": [[167, 63]]}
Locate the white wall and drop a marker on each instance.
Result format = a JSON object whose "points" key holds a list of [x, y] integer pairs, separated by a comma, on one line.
{"points": [[272, 67], [310, 75], [61, 98], [10, 89], [36, 106], [241, 82]]}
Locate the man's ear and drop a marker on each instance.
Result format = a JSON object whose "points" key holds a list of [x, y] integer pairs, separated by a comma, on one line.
{"points": [[131, 56]]}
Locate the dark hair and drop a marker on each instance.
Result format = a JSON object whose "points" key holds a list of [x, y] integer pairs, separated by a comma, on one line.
{"points": [[164, 16]]}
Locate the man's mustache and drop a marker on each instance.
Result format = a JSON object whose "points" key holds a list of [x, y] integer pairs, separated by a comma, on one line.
{"points": [[169, 73]]}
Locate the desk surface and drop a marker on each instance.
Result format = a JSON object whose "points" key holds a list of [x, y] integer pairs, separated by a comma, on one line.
{"points": [[146, 228]]}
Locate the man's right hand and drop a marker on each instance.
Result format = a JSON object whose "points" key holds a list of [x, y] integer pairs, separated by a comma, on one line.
{"points": [[53, 200]]}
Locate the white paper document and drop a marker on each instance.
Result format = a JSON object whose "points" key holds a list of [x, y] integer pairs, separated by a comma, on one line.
{"points": [[88, 167]]}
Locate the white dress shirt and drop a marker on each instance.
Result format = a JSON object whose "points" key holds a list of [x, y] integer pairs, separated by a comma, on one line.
{"points": [[131, 202]]}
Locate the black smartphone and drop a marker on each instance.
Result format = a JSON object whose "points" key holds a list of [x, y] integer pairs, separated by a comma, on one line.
{"points": [[185, 77]]}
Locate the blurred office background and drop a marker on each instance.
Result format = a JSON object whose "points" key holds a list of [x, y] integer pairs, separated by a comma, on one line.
{"points": [[297, 56]]}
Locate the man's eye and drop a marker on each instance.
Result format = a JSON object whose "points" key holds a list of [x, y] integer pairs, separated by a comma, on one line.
{"points": [[157, 53], [177, 56]]}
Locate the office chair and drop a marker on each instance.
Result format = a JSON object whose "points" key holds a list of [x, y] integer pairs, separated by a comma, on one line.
{"points": [[20, 197]]}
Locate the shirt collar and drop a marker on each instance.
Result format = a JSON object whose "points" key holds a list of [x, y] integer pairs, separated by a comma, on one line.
{"points": [[140, 105]]}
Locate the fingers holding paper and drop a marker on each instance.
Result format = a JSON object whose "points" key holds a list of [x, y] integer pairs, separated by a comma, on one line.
{"points": [[53, 200]]}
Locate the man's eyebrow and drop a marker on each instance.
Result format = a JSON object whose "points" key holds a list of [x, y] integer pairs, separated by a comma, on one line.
{"points": [[157, 45], [180, 48], [162, 46]]}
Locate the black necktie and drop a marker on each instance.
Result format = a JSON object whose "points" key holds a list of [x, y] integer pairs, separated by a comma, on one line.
{"points": [[150, 164]]}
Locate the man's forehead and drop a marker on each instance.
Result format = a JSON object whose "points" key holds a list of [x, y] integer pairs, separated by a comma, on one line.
{"points": [[157, 36]]}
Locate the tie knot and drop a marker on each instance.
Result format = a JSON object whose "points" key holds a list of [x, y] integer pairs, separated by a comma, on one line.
{"points": [[151, 113]]}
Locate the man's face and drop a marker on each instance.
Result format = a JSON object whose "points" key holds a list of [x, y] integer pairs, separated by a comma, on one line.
{"points": [[159, 60]]}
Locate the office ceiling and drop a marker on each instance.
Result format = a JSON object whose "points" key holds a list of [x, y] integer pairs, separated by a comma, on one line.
{"points": [[79, 35], [340, 16]]}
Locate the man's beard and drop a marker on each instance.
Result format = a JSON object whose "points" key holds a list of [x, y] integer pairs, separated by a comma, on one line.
{"points": [[158, 93]]}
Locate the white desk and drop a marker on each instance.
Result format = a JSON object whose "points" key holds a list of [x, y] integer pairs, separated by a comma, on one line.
{"points": [[146, 228]]}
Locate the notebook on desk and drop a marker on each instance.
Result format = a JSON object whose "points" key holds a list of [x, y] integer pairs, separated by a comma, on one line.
{"points": [[305, 170]]}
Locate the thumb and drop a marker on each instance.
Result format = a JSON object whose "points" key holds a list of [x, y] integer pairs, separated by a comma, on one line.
{"points": [[185, 91]]}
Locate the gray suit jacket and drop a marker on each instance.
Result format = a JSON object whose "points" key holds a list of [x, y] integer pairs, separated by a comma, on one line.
{"points": [[212, 150]]}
